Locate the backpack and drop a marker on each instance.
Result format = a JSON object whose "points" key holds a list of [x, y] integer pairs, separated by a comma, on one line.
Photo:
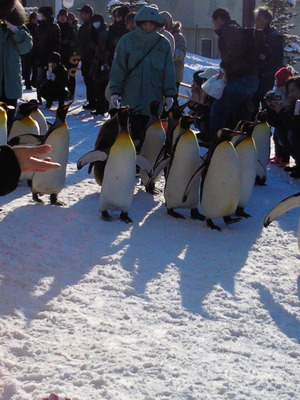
{"points": [[257, 52]]}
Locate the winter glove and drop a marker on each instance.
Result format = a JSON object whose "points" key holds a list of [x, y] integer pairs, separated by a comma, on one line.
{"points": [[50, 75], [114, 100], [168, 103], [11, 27]]}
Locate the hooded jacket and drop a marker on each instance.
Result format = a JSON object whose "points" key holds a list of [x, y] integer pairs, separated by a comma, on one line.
{"points": [[49, 41], [180, 43], [12, 46], [151, 79]]}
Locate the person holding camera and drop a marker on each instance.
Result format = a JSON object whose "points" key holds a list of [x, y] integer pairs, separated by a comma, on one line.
{"points": [[285, 117]]}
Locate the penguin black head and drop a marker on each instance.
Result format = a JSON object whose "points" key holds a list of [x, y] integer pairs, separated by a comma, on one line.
{"points": [[123, 116], [26, 109], [245, 126], [227, 134], [156, 107], [5, 107], [177, 111], [186, 121], [261, 116], [61, 112]]}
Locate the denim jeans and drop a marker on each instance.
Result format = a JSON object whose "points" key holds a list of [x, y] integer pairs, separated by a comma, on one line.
{"points": [[232, 107]]}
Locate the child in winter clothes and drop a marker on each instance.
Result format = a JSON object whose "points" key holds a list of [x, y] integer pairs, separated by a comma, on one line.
{"points": [[54, 86], [282, 155]]}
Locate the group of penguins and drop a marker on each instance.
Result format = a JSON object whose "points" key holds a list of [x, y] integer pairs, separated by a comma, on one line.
{"points": [[221, 181]]}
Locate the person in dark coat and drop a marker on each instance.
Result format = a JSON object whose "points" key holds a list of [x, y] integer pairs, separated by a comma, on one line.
{"points": [[29, 60], [48, 41], [87, 49], [273, 60], [67, 47], [14, 160], [54, 86], [101, 75], [117, 29], [240, 75], [286, 117], [15, 40]]}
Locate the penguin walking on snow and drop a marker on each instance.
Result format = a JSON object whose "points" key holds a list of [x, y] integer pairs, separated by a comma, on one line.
{"points": [[153, 143], [282, 207], [119, 172], [52, 182], [247, 155], [220, 184], [185, 161]]}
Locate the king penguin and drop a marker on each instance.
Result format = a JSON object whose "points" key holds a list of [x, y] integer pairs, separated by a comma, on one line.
{"points": [[220, 184], [52, 182], [185, 161], [39, 117], [3, 123], [262, 137], [247, 155], [119, 172], [283, 206], [153, 143], [23, 123]]}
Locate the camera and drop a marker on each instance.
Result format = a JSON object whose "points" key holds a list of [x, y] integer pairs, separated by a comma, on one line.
{"points": [[270, 96]]}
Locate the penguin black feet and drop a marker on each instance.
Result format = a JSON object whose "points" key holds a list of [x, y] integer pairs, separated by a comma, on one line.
{"points": [[36, 198], [196, 215], [211, 225], [228, 220], [151, 188], [54, 201], [174, 214], [241, 213], [124, 217], [260, 181], [105, 216]]}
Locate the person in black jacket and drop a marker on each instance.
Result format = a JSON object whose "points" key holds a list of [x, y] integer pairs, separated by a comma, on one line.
{"points": [[48, 41], [68, 44], [101, 74], [29, 60], [286, 117], [273, 60], [87, 51], [14, 160], [54, 86], [240, 75], [117, 29]]}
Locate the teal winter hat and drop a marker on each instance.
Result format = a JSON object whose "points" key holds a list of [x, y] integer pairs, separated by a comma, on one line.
{"points": [[148, 14]]}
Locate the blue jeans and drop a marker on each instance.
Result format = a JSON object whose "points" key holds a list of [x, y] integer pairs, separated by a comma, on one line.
{"points": [[227, 111]]}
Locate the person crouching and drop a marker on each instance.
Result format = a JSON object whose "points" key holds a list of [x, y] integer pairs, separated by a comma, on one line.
{"points": [[54, 86]]}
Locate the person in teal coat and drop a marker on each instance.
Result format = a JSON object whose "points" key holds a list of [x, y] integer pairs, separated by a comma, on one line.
{"points": [[143, 70], [15, 40]]}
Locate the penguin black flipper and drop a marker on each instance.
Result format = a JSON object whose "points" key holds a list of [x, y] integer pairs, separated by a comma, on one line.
{"points": [[285, 205], [90, 157], [144, 163], [195, 176], [28, 139], [159, 167]]}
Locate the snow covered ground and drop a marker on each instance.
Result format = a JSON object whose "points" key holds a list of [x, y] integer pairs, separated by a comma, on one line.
{"points": [[158, 309]]}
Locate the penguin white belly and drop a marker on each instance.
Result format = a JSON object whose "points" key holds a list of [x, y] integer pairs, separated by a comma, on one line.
{"points": [[262, 136], [186, 161], [119, 176], [247, 156], [221, 187], [41, 120], [155, 138], [52, 182], [23, 126]]}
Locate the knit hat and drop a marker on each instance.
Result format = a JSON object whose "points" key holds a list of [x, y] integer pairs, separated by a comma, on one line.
{"points": [[54, 57], [62, 12], [72, 17], [46, 11], [283, 74], [148, 14], [16, 15]]}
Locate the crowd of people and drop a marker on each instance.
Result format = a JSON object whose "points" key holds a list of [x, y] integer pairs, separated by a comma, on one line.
{"points": [[139, 57]]}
